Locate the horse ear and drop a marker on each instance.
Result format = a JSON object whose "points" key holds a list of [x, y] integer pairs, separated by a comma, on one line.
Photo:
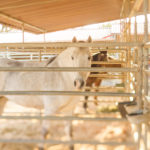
{"points": [[74, 40], [89, 39]]}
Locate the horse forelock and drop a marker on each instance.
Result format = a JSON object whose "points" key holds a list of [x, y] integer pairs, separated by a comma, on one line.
{"points": [[81, 48]]}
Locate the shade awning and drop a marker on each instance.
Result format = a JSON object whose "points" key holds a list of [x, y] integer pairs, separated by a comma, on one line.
{"points": [[39, 16]]}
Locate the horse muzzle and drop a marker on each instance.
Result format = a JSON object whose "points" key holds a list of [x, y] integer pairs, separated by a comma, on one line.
{"points": [[79, 83]]}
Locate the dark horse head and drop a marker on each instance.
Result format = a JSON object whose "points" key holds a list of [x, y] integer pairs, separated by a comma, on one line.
{"points": [[101, 56]]}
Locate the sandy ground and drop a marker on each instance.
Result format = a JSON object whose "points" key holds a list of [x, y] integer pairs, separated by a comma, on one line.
{"points": [[82, 130], [100, 131]]}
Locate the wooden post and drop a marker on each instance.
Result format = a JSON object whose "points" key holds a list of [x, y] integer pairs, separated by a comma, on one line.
{"points": [[23, 33], [140, 77]]}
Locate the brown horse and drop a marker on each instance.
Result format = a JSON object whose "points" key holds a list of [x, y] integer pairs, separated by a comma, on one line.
{"points": [[101, 56]]}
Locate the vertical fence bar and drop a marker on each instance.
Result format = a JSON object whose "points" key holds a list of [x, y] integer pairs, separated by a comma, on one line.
{"points": [[139, 92], [40, 55], [129, 49], [135, 29], [146, 20], [145, 50], [140, 77], [145, 66], [44, 40], [145, 136]]}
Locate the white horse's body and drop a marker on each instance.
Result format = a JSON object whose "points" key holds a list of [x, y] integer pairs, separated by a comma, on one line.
{"points": [[46, 81]]}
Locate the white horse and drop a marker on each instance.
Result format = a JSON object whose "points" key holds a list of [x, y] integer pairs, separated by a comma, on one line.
{"points": [[48, 81]]}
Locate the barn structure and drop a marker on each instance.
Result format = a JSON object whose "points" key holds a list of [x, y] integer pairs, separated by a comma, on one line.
{"points": [[43, 16]]}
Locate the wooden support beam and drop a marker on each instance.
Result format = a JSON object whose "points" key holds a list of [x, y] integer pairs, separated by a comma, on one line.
{"points": [[21, 22], [135, 8], [122, 9], [133, 11]]}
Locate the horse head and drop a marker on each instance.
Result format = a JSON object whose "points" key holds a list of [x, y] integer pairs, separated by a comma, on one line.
{"points": [[101, 56], [80, 57], [73, 57]]}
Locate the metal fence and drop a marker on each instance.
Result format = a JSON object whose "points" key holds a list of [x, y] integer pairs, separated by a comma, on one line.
{"points": [[136, 70]]}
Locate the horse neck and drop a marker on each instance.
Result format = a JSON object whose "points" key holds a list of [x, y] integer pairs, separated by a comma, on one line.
{"points": [[62, 61]]}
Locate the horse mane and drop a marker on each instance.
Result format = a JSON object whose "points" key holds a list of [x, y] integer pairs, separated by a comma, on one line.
{"points": [[50, 60]]}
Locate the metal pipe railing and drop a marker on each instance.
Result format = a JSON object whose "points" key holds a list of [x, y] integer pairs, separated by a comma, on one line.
{"points": [[70, 44], [68, 69], [71, 142]]}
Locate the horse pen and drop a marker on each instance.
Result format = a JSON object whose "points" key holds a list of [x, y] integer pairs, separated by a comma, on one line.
{"points": [[120, 118]]}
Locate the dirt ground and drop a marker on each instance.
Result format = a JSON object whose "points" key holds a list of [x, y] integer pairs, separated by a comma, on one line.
{"points": [[82, 130]]}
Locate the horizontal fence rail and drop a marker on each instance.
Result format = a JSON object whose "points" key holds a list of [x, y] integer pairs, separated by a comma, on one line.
{"points": [[77, 93], [147, 45], [108, 62], [60, 118], [107, 76], [147, 71], [53, 50], [70, 44], [71, 142], [69, 69]]}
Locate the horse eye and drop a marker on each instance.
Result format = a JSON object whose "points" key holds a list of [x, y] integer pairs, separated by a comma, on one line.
{"points": [[72, 57]]}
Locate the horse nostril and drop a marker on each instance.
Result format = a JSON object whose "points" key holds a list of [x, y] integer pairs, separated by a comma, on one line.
{"points": [[79, 83]]}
